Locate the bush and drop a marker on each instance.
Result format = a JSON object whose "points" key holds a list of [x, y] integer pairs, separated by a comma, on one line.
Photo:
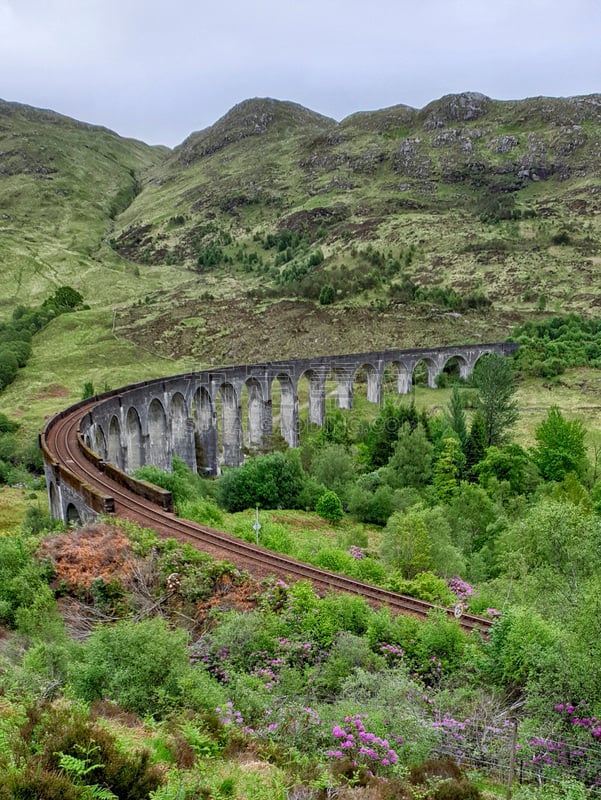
{"points": [[22, 579], [329, 507], [426, 586], [56, 737], [184, 485], [327, 295], [271, 481], [348, 653], [137, 665], [202, 511], [373, 507]]}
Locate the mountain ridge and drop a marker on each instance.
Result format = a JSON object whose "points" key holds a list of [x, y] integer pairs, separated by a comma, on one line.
{"points": [[468, 200]]}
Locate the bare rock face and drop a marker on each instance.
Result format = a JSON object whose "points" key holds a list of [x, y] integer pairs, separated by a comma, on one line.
{"points": [[411, 159], [465, 107], [503, 144]]}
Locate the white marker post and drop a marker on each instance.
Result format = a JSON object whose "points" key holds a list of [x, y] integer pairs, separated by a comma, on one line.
{"points": [[257, 525]]}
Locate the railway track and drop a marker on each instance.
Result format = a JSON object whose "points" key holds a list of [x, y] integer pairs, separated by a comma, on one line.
{"points": [[63, 445]]}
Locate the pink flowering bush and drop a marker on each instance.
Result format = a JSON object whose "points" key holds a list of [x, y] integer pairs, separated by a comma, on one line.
{"points": [[364, 750], [356, 552], [292, 724], [462, 590], [573, 749]]}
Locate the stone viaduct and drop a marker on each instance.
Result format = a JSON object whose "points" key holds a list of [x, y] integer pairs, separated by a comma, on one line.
{"points": [[211, 418]]}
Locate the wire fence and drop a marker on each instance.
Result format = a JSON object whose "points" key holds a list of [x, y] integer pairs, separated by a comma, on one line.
{"points": [[508, 754]]}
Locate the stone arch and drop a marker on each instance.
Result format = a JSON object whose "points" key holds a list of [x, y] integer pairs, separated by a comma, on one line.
{"points": [[229, 425], [99, 442], [344, 386], [368, 375], [283, 389], [396, 378], [158, 445], [471, 363], [205, 432], [425, 371], [134, 440], [258, 421], [115, 453], [72, 515], [456, 367], [182, 430], [315, 394]]}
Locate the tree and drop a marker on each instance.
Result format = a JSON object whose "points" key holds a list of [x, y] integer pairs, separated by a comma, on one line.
{"points": [[333, 466], [456, 416], [560, 447], [67, 298], [475, 446], [406, 542], [494, 379], [557, 544], [470, 513], [8, 367], [510, 464], [327, 295], [329, 507], [267, 481], [448, 468], [382, 435], [371, 505], [411, 462]]}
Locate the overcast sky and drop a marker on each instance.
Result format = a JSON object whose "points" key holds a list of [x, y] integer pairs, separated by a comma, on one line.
{"points": [[159, 69]]}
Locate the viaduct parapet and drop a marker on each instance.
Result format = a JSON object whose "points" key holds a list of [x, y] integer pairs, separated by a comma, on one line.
{"points": [[212, 418]]}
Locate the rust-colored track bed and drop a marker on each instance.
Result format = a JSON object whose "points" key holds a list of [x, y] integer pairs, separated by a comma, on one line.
{"points": [[63, 448]]}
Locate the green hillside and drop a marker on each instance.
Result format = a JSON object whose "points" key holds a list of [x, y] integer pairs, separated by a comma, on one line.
{"points": [[138, 667], [61, 185], [445, 224], [483, 196]]}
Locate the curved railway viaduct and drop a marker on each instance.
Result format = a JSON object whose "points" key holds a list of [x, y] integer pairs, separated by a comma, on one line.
{"points": [[210, 418]]}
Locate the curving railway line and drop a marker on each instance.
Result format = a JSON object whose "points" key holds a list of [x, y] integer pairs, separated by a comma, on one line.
{"points": [[63, 445]]}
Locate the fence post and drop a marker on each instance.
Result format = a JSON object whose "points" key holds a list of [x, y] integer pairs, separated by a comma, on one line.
{"points": [[514, 741]]}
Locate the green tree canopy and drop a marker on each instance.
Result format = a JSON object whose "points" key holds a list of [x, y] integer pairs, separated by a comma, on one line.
{"points": [[494, 379], [560, 447], [456, 416], [406, 543], [511, 464], [555, 546], [411, 462], [382, 434], [448, 468], [329, 507], [267, 481]]}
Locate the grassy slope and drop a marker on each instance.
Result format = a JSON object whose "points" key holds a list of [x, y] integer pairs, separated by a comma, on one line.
{"points": [[72, 350], [387, 179], [60, 183]]}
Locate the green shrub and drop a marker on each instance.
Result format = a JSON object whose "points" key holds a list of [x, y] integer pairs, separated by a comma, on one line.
{"points": [[204, 512], [267, 481], [327, 295], [348, 653], [185, 485], [54, 737], [335, 560], [137, 665], [23, 581], [329, 507]]}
